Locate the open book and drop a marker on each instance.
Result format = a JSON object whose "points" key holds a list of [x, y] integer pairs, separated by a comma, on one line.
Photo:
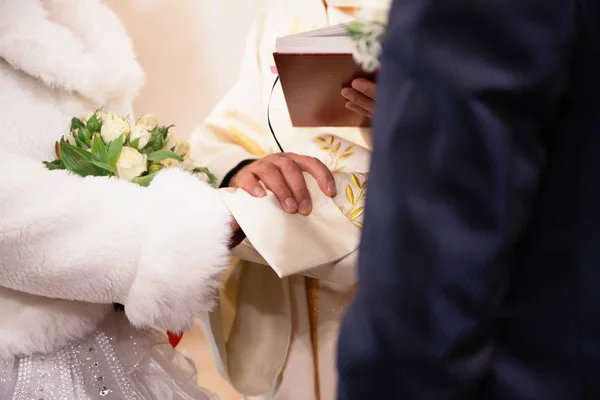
{"points": [[313, 68]]}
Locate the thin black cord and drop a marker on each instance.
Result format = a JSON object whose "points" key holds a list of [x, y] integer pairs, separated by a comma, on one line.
{"points": [[269, 115]]}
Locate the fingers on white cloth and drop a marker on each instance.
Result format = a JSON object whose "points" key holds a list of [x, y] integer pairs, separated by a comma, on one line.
{"points": [[292, 243]]}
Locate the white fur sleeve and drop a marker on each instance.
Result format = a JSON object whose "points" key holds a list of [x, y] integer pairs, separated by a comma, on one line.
{"points": [[160, 250], [25, 29]]}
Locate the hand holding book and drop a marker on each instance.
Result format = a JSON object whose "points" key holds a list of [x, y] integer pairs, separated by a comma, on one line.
{"points": [[313, 68], [361, 97]]}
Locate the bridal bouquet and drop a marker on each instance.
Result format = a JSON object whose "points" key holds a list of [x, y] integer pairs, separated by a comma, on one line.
{"points": [[107, 145], [368, 32]]}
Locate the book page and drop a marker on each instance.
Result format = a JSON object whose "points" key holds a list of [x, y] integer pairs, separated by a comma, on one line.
{"points": [[330, 40], [339, 30], [315, 45]]}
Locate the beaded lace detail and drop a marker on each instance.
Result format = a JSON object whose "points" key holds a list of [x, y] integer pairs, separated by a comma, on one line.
{"points": [[83, 370]]}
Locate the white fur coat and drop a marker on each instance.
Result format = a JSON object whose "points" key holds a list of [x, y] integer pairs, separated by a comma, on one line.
{"points": [[69, 246]]}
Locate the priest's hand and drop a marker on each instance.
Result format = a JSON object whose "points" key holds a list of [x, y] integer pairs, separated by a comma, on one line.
{"points": [[361, 97], [281, 173]]}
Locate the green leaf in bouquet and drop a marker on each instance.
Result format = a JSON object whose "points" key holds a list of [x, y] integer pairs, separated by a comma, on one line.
{"points": [[212, 179], [76, 123], [83, 154], [164, 130], [156, 143], [84, 135], [94, 166], [155, 167], [114, 151], [355, 30], [144, 180], [99, 149], [108, 169], [72, 161], [54, 165], [83, 162], [155, 132], [135, 143], [94, 124], [79, 142], [160, 155]]}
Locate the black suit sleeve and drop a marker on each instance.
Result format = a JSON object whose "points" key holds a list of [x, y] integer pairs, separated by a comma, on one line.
{"points": [[465, 92]]}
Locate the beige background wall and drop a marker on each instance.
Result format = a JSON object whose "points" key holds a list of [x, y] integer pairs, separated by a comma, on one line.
{"points": [[190, 50]]}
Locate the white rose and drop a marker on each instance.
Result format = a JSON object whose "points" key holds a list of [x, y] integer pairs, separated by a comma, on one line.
{"points": [[148, 121], [367, 55], [182, 148], [113, 127], [141, 133], [179, 146], [188, 163], [131, 164], [170, 142], [169, 162], [143, 130]]}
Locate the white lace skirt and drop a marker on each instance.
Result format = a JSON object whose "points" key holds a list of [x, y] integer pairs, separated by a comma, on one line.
{"points": [[117, 362]]}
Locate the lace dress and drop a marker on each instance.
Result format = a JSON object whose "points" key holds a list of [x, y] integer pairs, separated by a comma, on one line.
{"points": [[116, 362]]}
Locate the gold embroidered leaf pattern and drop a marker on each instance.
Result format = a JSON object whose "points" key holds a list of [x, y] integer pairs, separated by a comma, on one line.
{"points": [[357, 213], [364, 182], [354, 195], [350, 194], [332, 147], [342, 208], [248, 144]]}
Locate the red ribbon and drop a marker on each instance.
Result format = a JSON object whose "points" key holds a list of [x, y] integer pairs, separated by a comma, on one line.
{"points": [[174, 338]]}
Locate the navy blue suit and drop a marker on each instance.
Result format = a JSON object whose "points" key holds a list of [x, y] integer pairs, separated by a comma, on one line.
{"points": [[480, 259]]}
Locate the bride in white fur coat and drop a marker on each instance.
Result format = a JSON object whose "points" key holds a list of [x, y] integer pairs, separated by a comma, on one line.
{"points": [[71, 247]]}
